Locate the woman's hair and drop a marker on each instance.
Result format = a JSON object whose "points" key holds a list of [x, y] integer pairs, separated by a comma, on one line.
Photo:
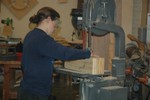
{"points": [[43, 13]]}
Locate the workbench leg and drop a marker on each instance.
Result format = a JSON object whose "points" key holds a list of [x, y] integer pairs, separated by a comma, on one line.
{"points": [[6, 82]]}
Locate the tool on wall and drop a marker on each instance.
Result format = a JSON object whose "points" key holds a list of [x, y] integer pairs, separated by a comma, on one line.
{"points": [[8, 26], [7, 21]]}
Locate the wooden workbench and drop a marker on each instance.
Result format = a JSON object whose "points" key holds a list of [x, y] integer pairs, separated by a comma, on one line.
{"points": [[9, 67]]}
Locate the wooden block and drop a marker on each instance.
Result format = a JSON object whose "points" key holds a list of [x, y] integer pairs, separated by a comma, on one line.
{"points": [[94, 65]]}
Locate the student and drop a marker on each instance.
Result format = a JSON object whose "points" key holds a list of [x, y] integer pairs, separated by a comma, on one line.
{"points": [[39, 52]]}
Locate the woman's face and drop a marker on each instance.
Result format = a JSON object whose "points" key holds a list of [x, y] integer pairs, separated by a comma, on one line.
{"points": [[53, 25], [57, 23]]}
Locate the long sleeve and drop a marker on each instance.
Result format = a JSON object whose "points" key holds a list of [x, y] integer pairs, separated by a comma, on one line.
{"points": [[50, 48]]}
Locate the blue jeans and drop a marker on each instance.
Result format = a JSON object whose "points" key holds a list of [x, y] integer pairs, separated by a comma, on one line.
{"points": [[27, 95]]}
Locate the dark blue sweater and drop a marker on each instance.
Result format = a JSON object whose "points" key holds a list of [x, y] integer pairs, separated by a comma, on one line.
{"points": [[39, 52]]}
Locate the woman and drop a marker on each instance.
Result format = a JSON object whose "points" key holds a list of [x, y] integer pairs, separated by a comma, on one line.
{"points": [[39, 52]]}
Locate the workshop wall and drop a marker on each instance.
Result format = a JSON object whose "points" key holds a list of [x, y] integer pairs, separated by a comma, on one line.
{"points": [[124, 15], [137, 12], [21, 25]]}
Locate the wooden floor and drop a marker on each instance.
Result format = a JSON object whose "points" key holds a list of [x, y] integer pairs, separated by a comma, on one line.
{"points": [[61, 89]]}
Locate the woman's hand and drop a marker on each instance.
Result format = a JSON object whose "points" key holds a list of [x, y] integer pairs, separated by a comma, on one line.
{"points": [[93, 54]]}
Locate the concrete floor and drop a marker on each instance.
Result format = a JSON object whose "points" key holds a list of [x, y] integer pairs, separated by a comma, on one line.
{"points": [[60, 89]]}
